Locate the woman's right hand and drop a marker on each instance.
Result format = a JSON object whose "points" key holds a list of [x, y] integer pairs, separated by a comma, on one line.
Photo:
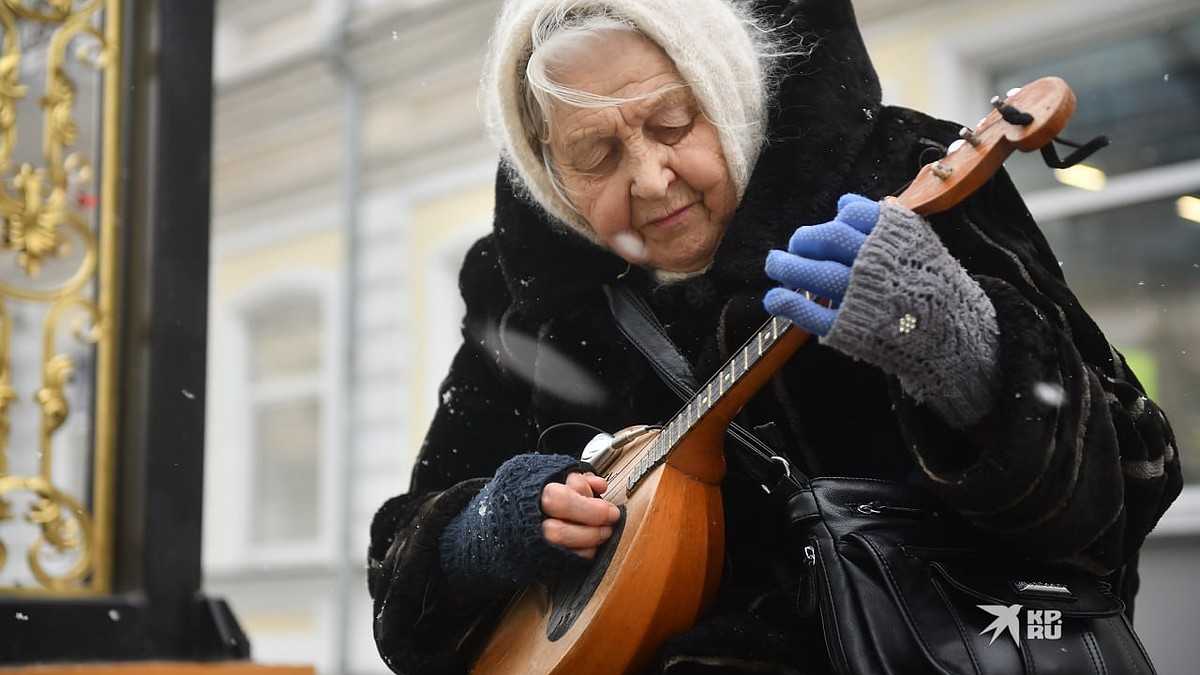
{"points": [[576, 518]]}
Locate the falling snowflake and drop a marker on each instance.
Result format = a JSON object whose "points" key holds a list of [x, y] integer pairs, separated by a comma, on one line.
{"points": [[1049, 393]]}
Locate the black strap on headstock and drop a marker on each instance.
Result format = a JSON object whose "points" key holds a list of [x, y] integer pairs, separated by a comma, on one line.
{"points": [[1049, 154], [1082, 152]]}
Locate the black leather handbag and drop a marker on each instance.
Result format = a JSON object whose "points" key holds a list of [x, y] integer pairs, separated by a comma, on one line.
{"points": [[902, 583]]}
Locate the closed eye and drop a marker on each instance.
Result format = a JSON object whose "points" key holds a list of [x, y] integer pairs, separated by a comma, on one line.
{"points": [[595, 161], [671, 134]]}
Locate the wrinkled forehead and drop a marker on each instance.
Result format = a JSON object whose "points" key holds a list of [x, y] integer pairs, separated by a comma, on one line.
{"points": [[619, 71], [572, 126]]}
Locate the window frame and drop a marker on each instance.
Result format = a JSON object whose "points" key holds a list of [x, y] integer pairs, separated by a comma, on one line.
{"points": [[238, 548]]}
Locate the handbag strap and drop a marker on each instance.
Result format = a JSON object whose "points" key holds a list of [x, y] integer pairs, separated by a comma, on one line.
{"points": [[638, 323]]}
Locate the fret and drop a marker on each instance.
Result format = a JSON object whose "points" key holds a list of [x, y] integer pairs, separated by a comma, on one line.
{"points": [[711, 397], [734, 375], [774, 328], [745, 360]]}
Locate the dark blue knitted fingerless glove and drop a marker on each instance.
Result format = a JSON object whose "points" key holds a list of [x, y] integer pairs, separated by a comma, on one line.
{"points": [[496, 543]]}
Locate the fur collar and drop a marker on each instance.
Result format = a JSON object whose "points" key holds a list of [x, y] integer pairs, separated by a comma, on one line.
{"points": [[822, 113]]}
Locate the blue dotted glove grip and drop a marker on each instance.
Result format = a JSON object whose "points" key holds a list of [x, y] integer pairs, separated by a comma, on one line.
{"points": [[818, 261]]}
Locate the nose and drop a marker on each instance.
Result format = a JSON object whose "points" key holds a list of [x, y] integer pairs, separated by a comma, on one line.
{"points": [[650, 174]]}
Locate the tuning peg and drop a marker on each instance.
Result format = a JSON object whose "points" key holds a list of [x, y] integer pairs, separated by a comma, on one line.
{"points": [[955, 146], [967, 134], [941, 170]]}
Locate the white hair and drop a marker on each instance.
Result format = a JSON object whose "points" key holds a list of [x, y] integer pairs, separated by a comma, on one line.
{"points": [[717, 47]]}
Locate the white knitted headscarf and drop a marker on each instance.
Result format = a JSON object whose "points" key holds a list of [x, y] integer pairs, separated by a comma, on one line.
{"points": [[709, 42]]}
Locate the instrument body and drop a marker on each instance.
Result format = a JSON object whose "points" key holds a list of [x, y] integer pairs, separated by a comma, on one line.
{"points": [[669, 552], [659, 573]]}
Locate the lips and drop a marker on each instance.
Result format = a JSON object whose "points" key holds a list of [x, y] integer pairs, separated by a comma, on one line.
{"points": [[673, 218]]}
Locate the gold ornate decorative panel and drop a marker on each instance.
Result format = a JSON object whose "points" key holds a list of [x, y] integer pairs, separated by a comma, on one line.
{"points": [[59, 169]]}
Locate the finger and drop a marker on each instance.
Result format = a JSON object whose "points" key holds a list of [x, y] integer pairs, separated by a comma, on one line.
{"points": [[598, 484], [826, 278], [574, 536], [828, 241], [561, 502], [851, 198], [580, 484], [858, 212], [799, 310]]}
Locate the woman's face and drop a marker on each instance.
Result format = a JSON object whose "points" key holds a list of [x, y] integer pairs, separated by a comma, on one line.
{"points": [[648, 176]]}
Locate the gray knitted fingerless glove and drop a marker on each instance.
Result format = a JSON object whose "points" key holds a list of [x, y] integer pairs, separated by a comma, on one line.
{"points": [[913, 311], [496, 542]]}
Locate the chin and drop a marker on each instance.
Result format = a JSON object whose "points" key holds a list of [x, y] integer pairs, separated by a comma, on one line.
{"points": [[683, 269]]}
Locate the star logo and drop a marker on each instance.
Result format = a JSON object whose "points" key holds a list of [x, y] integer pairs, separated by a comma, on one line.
{"points": [[1007, 619]]}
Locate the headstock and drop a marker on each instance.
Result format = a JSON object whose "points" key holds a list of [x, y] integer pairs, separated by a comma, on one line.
{"points": [[971, 160]]}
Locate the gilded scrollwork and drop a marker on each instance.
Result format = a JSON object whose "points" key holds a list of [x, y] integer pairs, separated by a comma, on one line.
{"points": [[57, 237], [64, 528], [8, 395], [50, 11], [35, 201]]}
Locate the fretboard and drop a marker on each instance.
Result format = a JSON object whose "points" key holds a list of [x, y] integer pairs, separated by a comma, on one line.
{"points": [[729, 381]]}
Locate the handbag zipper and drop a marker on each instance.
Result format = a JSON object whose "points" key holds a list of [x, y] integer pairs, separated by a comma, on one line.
{"points": [[824, 605], [880, 508]]}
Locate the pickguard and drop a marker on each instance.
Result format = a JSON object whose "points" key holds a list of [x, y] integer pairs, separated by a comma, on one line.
{"points": [[569, 596]]}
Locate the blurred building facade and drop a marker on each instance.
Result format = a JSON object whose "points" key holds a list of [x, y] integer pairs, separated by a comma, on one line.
{"points": [[351, 172]]}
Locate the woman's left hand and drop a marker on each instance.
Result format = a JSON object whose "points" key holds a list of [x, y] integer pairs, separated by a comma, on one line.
{"points": [[910, 308], [818, 260]]}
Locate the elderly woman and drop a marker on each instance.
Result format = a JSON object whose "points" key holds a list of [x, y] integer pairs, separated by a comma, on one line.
{"points": [[670, 147]]}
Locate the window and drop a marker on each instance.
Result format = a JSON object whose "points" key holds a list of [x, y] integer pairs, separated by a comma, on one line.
{"points": [[285, 414], [1139, 90], [1129, 250]]}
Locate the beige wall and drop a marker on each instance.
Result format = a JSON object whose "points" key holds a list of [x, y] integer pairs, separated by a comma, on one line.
{"points": [[442, 228]]}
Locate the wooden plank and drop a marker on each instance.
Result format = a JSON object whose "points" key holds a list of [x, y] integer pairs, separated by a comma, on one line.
{"points": [[158, 668]]}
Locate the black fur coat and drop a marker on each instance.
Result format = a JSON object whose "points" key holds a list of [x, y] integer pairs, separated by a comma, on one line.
{"points": [[1082, 482]]}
